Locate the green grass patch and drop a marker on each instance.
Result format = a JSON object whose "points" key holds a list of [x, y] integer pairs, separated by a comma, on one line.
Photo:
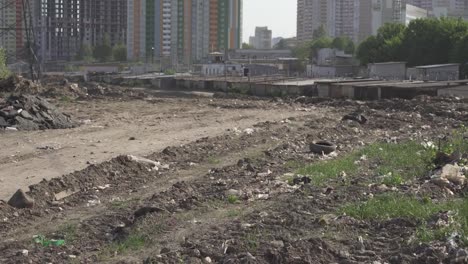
{"points": [[390, 206], [68, 231], [133, 242], [394, 163], [213, 160], [405, 160], [396, 206], [232, 199], [322, 171]]}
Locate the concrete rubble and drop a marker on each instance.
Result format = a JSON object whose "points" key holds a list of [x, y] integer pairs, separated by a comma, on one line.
{"points": [[29, 112]]}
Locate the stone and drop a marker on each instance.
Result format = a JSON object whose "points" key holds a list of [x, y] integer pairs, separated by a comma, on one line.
{"points": [[453, 174], [21, 200], [277, 243], [26, 115], [3, 122], [207, 260]]}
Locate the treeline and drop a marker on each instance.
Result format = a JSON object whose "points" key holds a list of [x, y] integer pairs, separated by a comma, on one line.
{"points": [[422, 42], [103, 52]]}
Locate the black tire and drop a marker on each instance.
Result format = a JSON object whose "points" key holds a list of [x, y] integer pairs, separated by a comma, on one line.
{"points": [[322, 147]]}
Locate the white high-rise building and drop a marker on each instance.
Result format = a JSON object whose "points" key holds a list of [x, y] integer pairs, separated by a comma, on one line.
{"points": [[262, 38]]}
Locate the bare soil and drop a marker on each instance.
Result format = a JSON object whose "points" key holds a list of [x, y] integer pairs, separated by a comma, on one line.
{"points": [[220, 193]]}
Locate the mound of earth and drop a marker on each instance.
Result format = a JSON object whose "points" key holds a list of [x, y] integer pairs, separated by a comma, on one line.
{"points": [[18, 84], [29, 112]]}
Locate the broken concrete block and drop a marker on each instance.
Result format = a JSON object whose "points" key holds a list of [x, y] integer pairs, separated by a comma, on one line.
{"points": [[21, 200]]}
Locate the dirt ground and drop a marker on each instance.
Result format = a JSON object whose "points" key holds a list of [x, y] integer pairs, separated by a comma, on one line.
{"points": [[216, 187], [28, 157]]}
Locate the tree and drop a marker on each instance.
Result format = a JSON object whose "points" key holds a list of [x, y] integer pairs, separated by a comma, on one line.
{"points": [[4, 71], [319, 32], [343, 43], [281, 45], [321, 43], [247, 46], [103, 51], [367, 51], [119, 53], [85, 53], [386, 46]]}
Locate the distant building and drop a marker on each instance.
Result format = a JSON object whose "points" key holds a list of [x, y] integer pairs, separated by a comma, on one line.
{"points": [[253, 55], [413, 12], [262, 38], [332, 63], [388, 70], [440, 72]]}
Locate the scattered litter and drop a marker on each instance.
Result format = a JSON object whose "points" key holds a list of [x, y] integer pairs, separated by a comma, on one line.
{"points": [[361, 119], [42, 240]]}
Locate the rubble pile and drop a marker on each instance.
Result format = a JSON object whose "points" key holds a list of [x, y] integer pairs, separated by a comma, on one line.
{"points": [[18, 84], [29, 112]]}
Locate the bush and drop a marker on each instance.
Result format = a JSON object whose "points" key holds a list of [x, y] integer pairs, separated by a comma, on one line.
{"points": [[4, 72]]}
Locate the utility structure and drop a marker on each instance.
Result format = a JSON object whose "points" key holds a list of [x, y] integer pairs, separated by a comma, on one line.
{"points": [[17, 34]]}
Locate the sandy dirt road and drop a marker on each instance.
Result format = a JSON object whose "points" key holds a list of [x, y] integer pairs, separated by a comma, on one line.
{"points": [[28, 157]]}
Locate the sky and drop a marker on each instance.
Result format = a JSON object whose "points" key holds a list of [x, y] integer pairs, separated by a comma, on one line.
{"points": [[278, 15]]}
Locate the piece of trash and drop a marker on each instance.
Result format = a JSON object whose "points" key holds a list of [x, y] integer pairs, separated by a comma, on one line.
{"points": [[42, 240], [249, 131], [355, 117]]}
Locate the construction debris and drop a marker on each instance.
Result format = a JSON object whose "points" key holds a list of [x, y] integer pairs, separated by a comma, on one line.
{"points": [[28, 112]]}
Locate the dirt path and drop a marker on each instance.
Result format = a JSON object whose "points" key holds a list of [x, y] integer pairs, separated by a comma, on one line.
{"points": [[28, 157]]}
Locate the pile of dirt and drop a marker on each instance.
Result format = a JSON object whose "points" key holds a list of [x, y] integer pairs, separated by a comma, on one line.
{"points": [[18, 84], [29, 112]]}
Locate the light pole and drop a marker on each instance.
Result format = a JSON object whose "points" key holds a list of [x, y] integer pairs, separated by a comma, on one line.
{"points": [[152, 55]]}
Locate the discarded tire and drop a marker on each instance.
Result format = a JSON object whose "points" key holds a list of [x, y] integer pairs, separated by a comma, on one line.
{"points": [[322, 147]]}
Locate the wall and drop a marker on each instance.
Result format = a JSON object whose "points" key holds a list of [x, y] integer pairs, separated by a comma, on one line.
{"points": [[389, 71]]}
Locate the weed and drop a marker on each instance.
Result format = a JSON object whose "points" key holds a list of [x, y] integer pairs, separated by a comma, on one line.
{"points": [[68, 231], [322, 171], [396, 205], [407, 160], [251, 241], [232, 199], [399, 206], [132, 243], [401, 162], [213, 160], [293, 164], [233, 213], [392, 180], [65, 99]]}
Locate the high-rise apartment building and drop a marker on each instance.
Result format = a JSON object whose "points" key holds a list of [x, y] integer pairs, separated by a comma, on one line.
{"points": [[262, 38], [311, 14], [188, 31], [63, 26]]}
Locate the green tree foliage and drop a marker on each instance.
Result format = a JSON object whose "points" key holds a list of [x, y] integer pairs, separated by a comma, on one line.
{"points": [[119, 53], [85, 53], [320, 32], [423, 42], [344, 43], [386, 46], [247, 46], [281, 45], [321, 43], [4, 72], [103, 51]]}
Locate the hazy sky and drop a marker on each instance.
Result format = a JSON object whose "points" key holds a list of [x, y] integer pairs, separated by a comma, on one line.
{"points": [[278, 15]]}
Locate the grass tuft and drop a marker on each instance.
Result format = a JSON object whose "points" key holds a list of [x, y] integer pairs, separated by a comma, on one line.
{"points": [[232, 199]]}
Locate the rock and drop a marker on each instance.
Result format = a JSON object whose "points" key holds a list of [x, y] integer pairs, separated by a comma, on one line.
{"points": [[453, 174], [26, 115], [132, 138], [277, 243], [207, 260], [3, 122], [21, 200], [233, 192]]}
